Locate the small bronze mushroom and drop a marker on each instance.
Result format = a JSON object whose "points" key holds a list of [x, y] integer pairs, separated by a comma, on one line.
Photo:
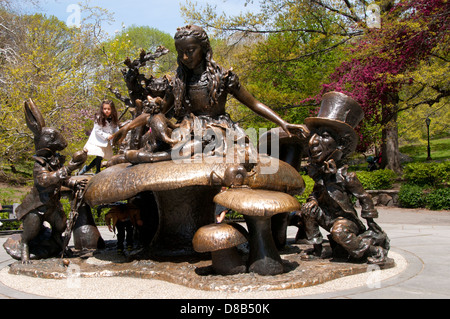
{"points": [[258, 206], [221, 240]]}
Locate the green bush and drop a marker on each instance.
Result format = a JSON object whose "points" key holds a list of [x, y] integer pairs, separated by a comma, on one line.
{"points": [[412, 196], [431, 174], [379, 179], [309, 185], [438, 199]]}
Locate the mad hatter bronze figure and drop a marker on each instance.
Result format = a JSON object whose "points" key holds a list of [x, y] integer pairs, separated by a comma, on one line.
{"points": [[329, 206]]}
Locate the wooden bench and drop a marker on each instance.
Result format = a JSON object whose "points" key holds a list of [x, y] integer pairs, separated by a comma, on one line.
{"points": [[10, 209]]}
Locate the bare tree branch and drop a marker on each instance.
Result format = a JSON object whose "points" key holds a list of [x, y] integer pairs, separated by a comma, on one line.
{"points": [[330, 48], [351, 17]]}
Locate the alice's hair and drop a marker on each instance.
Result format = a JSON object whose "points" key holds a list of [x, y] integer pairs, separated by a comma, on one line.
{"points": [[100, 117], [214, 72]]}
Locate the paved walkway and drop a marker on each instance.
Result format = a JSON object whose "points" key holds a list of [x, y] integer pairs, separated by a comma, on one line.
{"points": [[420, 244]]}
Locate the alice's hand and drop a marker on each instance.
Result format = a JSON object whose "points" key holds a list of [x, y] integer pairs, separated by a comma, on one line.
{"points": [[299, 130]]}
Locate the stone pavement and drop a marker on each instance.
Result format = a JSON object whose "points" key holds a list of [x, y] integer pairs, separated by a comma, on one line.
{"points": [[420, 244]]}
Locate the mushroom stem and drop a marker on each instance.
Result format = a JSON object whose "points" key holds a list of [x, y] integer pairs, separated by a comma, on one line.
{"points": [[181, 212], [264, 258], [228, 262], [279, 224]]}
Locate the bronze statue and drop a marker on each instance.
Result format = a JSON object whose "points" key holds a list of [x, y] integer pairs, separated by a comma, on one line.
{"points": [[185, 118], [142, 92], [329, 206], [198, 93], [43, 202], [188, 121]]}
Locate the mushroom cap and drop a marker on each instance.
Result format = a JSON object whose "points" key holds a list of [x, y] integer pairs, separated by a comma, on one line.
{"points": [[257, 202], [123, 181], [215, 237]]}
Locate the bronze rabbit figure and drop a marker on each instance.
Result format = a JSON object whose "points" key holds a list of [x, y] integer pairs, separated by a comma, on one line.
{"points": [[49, 173]]}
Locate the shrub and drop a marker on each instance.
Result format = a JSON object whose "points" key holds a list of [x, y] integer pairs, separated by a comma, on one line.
{"points": [[438, 199], [411, 196], [309, 185], [432, 174], [379, 179]]}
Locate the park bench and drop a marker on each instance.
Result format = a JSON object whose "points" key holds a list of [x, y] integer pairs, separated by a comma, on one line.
{"points": [[11, 217]]}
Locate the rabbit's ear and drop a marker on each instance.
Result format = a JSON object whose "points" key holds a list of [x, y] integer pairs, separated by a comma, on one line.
{"points": [[33, 117]]}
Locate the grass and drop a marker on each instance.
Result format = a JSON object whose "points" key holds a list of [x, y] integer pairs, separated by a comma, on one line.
{"points": [[439, 150], [12, 194]]}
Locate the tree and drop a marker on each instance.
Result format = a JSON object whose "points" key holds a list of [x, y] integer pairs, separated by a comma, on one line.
{"points": [[281, 73], [383, 74], [427, 96], [380, 63], [56, 66], [66, 71], [129, 42], [318, 25], [285, 52]]}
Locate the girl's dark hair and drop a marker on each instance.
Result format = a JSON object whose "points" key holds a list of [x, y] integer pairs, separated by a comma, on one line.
{"points": [[100, 118], [215, 73]]}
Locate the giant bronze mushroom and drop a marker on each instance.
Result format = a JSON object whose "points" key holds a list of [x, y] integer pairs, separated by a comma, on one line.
{"points": [[258, 206], [184, 193], [221, 240]]}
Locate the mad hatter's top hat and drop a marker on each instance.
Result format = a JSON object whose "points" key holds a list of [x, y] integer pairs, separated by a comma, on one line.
{"points": [[341, 113]]}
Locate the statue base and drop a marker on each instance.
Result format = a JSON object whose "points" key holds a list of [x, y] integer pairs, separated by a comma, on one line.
{"points": [[195, 271]]}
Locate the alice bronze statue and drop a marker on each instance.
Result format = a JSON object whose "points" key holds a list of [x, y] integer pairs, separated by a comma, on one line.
{"points": [[196, 98]]}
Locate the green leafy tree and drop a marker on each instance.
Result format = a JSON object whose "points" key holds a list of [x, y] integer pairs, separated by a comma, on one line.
{"points": [[381, 65], [57, 67], [285, 51], [128, 43], [384, 72]]}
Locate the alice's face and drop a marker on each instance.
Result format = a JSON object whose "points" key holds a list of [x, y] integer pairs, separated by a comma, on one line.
{"points": [[321, 145], [189, 51], [107, 110]]}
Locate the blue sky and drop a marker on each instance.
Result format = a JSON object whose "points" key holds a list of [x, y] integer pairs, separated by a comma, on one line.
{"points": [[161, 14]]}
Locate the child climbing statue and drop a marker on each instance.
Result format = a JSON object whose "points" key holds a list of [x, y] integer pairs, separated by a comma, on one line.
{"points": [[99, 142]]}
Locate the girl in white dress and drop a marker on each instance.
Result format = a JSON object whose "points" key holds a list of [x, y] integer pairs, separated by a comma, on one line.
{"points": [[99, 143]]}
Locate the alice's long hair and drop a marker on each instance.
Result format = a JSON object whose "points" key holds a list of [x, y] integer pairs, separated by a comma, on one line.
{"points": [[100, 118], [214, 72]]}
